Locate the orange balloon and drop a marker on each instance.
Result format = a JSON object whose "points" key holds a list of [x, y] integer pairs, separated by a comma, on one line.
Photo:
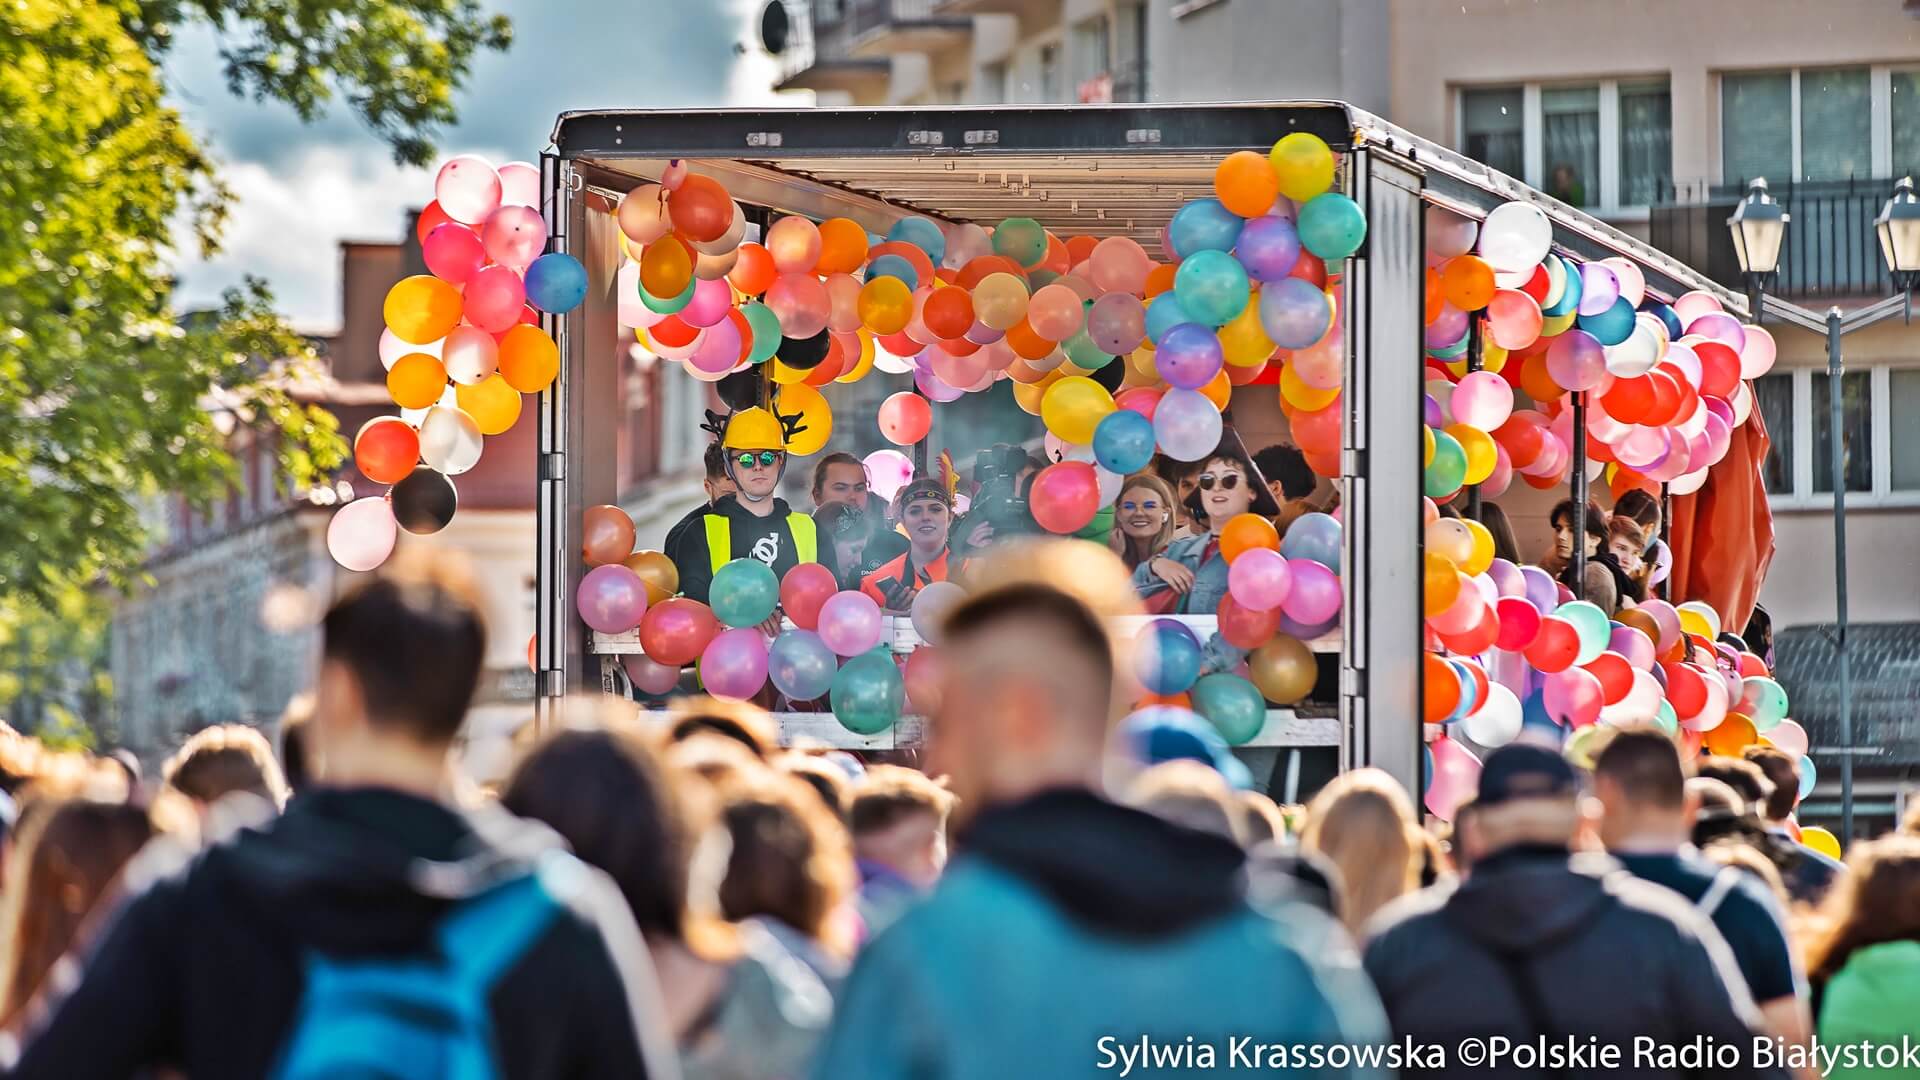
{"points": [[753, 272], [529, 360], [606, 534], [700, 209], [922, 265], [1441, 689], [1220, 390], [1536, 381], [1181, 700], [1435, 295], [1080, 249], [656, 572], [422, 309], [666, 267], [1027, 344], [386, 449], [1246, 183], [416, 381], [1160, 278], [1733, 735], [1057, 258], [843, 247], [1468, 282], [979, 269], [948, 312], [1244, 532]]}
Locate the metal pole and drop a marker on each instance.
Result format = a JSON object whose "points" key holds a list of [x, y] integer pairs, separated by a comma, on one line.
{"points": [[1837, 467], [1579, 585], [1666, 534], [1474, 337]]}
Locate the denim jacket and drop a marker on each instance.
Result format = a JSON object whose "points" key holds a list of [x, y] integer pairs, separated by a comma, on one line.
{"points": [[1209, 587]]}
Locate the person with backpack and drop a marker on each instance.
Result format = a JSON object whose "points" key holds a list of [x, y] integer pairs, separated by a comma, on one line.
{"points": [[374, 928], [1645, 823], [1543, 945]]}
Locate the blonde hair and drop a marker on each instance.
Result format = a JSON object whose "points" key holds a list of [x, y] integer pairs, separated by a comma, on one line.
{"points": [[218, 761], [1191, 794], [1117, 540], [1363, 823]]}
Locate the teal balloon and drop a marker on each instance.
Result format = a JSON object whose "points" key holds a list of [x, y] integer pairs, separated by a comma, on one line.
{"points": [[1232, 705], [765, 326], [1448, 470], [894, 266], [868, 693], [1166, 656], [1764, 701], [743, 593], [669, 306], [1163, 314], [1807, 776], [1570, 297], [1204, 225], [1665, 718], [1123, 442], [1084, 354], [922, 234], [1612, 326], [1452, 352], [1332, 226], [1593, 626], [1212, 286]]}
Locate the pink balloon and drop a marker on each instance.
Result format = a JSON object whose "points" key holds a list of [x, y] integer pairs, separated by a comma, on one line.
{"points": [[1322, 365], [1573, 697], [1117, 322], [794, 243], [1519, 622], [494, 299], [1692, 305], [1483, 400], [1465, 613], [1314, 595], [611, 599], [1120, 265], [850, 622], [1497, 481], [650, 676], [362, 533], [453, 253], [467, 189], [734, 663], [1757, 355], [843, 303], [1259, 579], [1055, 313], [1456, 776], [889, 470], [1513, 319], [515, 236], [1577, 360], [519, 184], [800, 301], [718, 348], [1632, 644], [1790, 737], [961, 371], [710, 304]]}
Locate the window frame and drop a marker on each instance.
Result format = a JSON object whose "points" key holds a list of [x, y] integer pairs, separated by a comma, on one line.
{"points": [[1881, 494], [1879, 114], [1533, 128]]}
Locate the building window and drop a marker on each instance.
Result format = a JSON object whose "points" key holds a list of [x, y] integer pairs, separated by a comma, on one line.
{"points": [[1903, 105], [1856, 432], [993, 84], [1050, 89], [1880, 460], [1604, 146], [1756, 126], [1773, 395], [1130, 53], [1089, 55], [1903, 466], [1819, 124]]}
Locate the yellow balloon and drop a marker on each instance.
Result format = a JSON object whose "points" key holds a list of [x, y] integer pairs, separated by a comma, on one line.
{"points": [[1482, 555], [1140, 367], [1244, 340], [1492, 357], [816, 417], [1450, 539], [1000, 301], [1692, 622], [422, 309], [1820, 840], [1304, 164], [1428, 446], [1555, 325], [785, 374], [1301, 396], [492, 403], [1284, 669], [1029, 396], [885, 305], [861, 366], [1482, 455], [666, 267], [1440, 585], [1073, 407]]}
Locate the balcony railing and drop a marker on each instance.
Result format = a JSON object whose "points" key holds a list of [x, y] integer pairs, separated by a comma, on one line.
{"points": [[1830, 250], [826, 29]]}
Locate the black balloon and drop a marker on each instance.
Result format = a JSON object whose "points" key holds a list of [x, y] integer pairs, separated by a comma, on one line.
{"points": [[1110, 374], [740, 390], [805, 353], [424, 502]]}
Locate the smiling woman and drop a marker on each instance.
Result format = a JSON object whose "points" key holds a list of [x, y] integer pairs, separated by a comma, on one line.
{"points": [[1143, 520], [1190, 576]]}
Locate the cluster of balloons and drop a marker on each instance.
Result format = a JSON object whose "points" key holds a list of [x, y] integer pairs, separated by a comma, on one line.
{"points": [[1665, 385], [461, 345]]}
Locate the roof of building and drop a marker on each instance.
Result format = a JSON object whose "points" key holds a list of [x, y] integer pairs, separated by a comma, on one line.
{"points": [[1885, 678]]}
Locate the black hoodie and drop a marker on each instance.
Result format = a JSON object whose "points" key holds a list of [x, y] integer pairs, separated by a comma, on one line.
{"points": [[768, 539], [201, 970]]}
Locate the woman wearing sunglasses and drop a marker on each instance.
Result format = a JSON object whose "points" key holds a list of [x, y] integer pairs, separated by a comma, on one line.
{"points": [[1190, 576], [1143, 523]]}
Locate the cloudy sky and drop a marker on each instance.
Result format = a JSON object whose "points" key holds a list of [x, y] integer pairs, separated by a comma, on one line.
{"points": [[302, 188]]}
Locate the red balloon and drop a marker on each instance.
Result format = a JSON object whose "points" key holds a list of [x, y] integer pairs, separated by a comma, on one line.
{"points": [[1140, 399], [1477, 640], [673, 332], [1630, 401], [900, 344], [924, 674], [1667, 397], [1479, 676], [1719, 368], [803, 590], [1686, 689], [677, 631], [1752, 667], [905, 418], [430, 219], [701, 209], [1523, 436], [1555, 647], [1318, 432], [1615, 675], [1244, 628], [1310, 267], [1065, 496], [1519, 622], [386, 449]]}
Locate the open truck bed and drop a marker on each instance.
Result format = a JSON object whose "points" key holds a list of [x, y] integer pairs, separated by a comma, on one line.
{"points": [[1079, 170]]}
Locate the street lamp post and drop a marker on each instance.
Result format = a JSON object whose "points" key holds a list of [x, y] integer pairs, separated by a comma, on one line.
{"points": [[1758, 225]]}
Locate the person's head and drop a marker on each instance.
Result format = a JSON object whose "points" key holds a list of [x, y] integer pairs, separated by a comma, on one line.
{"points": [[64, 858], [1025, 705], [1288, 477], [1505, 546], [400, 656], [1643, 510], [1744, 777], [1461, 841], [848, 528], [1363, 822], [899, 819], [742, 721], [827, 780], [606, 792], [1876, 901], [1759, 634], [925, 511], [1627, 543], [1641, 789], [298, 763], [223, 760], [1747, 858], [1260, 818], [790, 859], [840, 479], [717, 482], [1190, 794], [1910, 825], [1143, 517], [1783, 774], [754, 442], [1562, 521], [1528, 796], [1222, 490]]}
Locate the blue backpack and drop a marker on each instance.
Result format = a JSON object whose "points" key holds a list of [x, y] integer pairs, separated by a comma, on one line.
{"points": [[420, 1015]]}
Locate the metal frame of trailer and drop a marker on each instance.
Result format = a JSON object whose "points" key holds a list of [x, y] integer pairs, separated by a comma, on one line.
{"points": [[1095, 170]]}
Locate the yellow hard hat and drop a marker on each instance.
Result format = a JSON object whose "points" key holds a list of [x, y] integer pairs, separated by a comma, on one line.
{"points": [[753, 429]]}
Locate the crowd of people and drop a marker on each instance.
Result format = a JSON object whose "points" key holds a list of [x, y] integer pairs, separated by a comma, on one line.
{"points": [[648, 897]]}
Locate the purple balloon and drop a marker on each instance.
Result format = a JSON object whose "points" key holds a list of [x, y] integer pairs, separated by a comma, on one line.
{"points": [[1720, 326], [933, 386], [849, 622], [1268, 247], [1189, 356], [1295, 313], [1576, 360], [1117, 323], [734, 664], [1314, 596], [1541, 590], [1446, 329], [1632, 644], [1507, 578], [1431, 414], [611, 599], [1305, 632], [982, 334], [1599, 288]]}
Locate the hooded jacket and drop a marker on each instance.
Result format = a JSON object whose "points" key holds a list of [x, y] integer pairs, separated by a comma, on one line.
{"points": [[202, 968], [1875, 997], [1540, 943], [768, 539], [1071, 928]]}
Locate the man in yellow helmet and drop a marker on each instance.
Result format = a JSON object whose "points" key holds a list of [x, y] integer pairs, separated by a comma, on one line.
{"points": [[752, 523]]}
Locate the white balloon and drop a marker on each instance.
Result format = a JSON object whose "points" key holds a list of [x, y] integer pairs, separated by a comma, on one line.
{"points": [[392, 348], [1497, 722], [1742, 402], [1637, 355], [362, 533], [1449, 234], [1690, 306], [520, 184], [470, 355], [1633, 284], [450, 440], [1516, 237]]}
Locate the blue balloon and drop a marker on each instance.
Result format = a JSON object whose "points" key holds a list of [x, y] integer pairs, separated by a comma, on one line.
{"points": [[800, 665], [1533, 714], [1295, 313], [1807, 776], [1212, 286], [1166, 657], [1667, 315], [922, 234], [1332, 226], [894, 266], [1469, 692], [1268, 247], [1204, 225], [1570, 296], [1315, 537], [1123, 442], [556, 282], [1163, 314], [1612, 326]]}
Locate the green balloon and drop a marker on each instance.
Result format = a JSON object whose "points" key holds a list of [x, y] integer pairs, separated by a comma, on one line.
{"points": [[868, 693], [1021, 239], [1665, 718], [668, 307], [1100, 527], [1084, 354], [1766, 701], [1448, 470], [1593, 626], [1232, 705], [765, 326], [1332, 226], [743, 593]]}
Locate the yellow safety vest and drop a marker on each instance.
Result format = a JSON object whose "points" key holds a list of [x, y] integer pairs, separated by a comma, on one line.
{"points": [[720, 539]]}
